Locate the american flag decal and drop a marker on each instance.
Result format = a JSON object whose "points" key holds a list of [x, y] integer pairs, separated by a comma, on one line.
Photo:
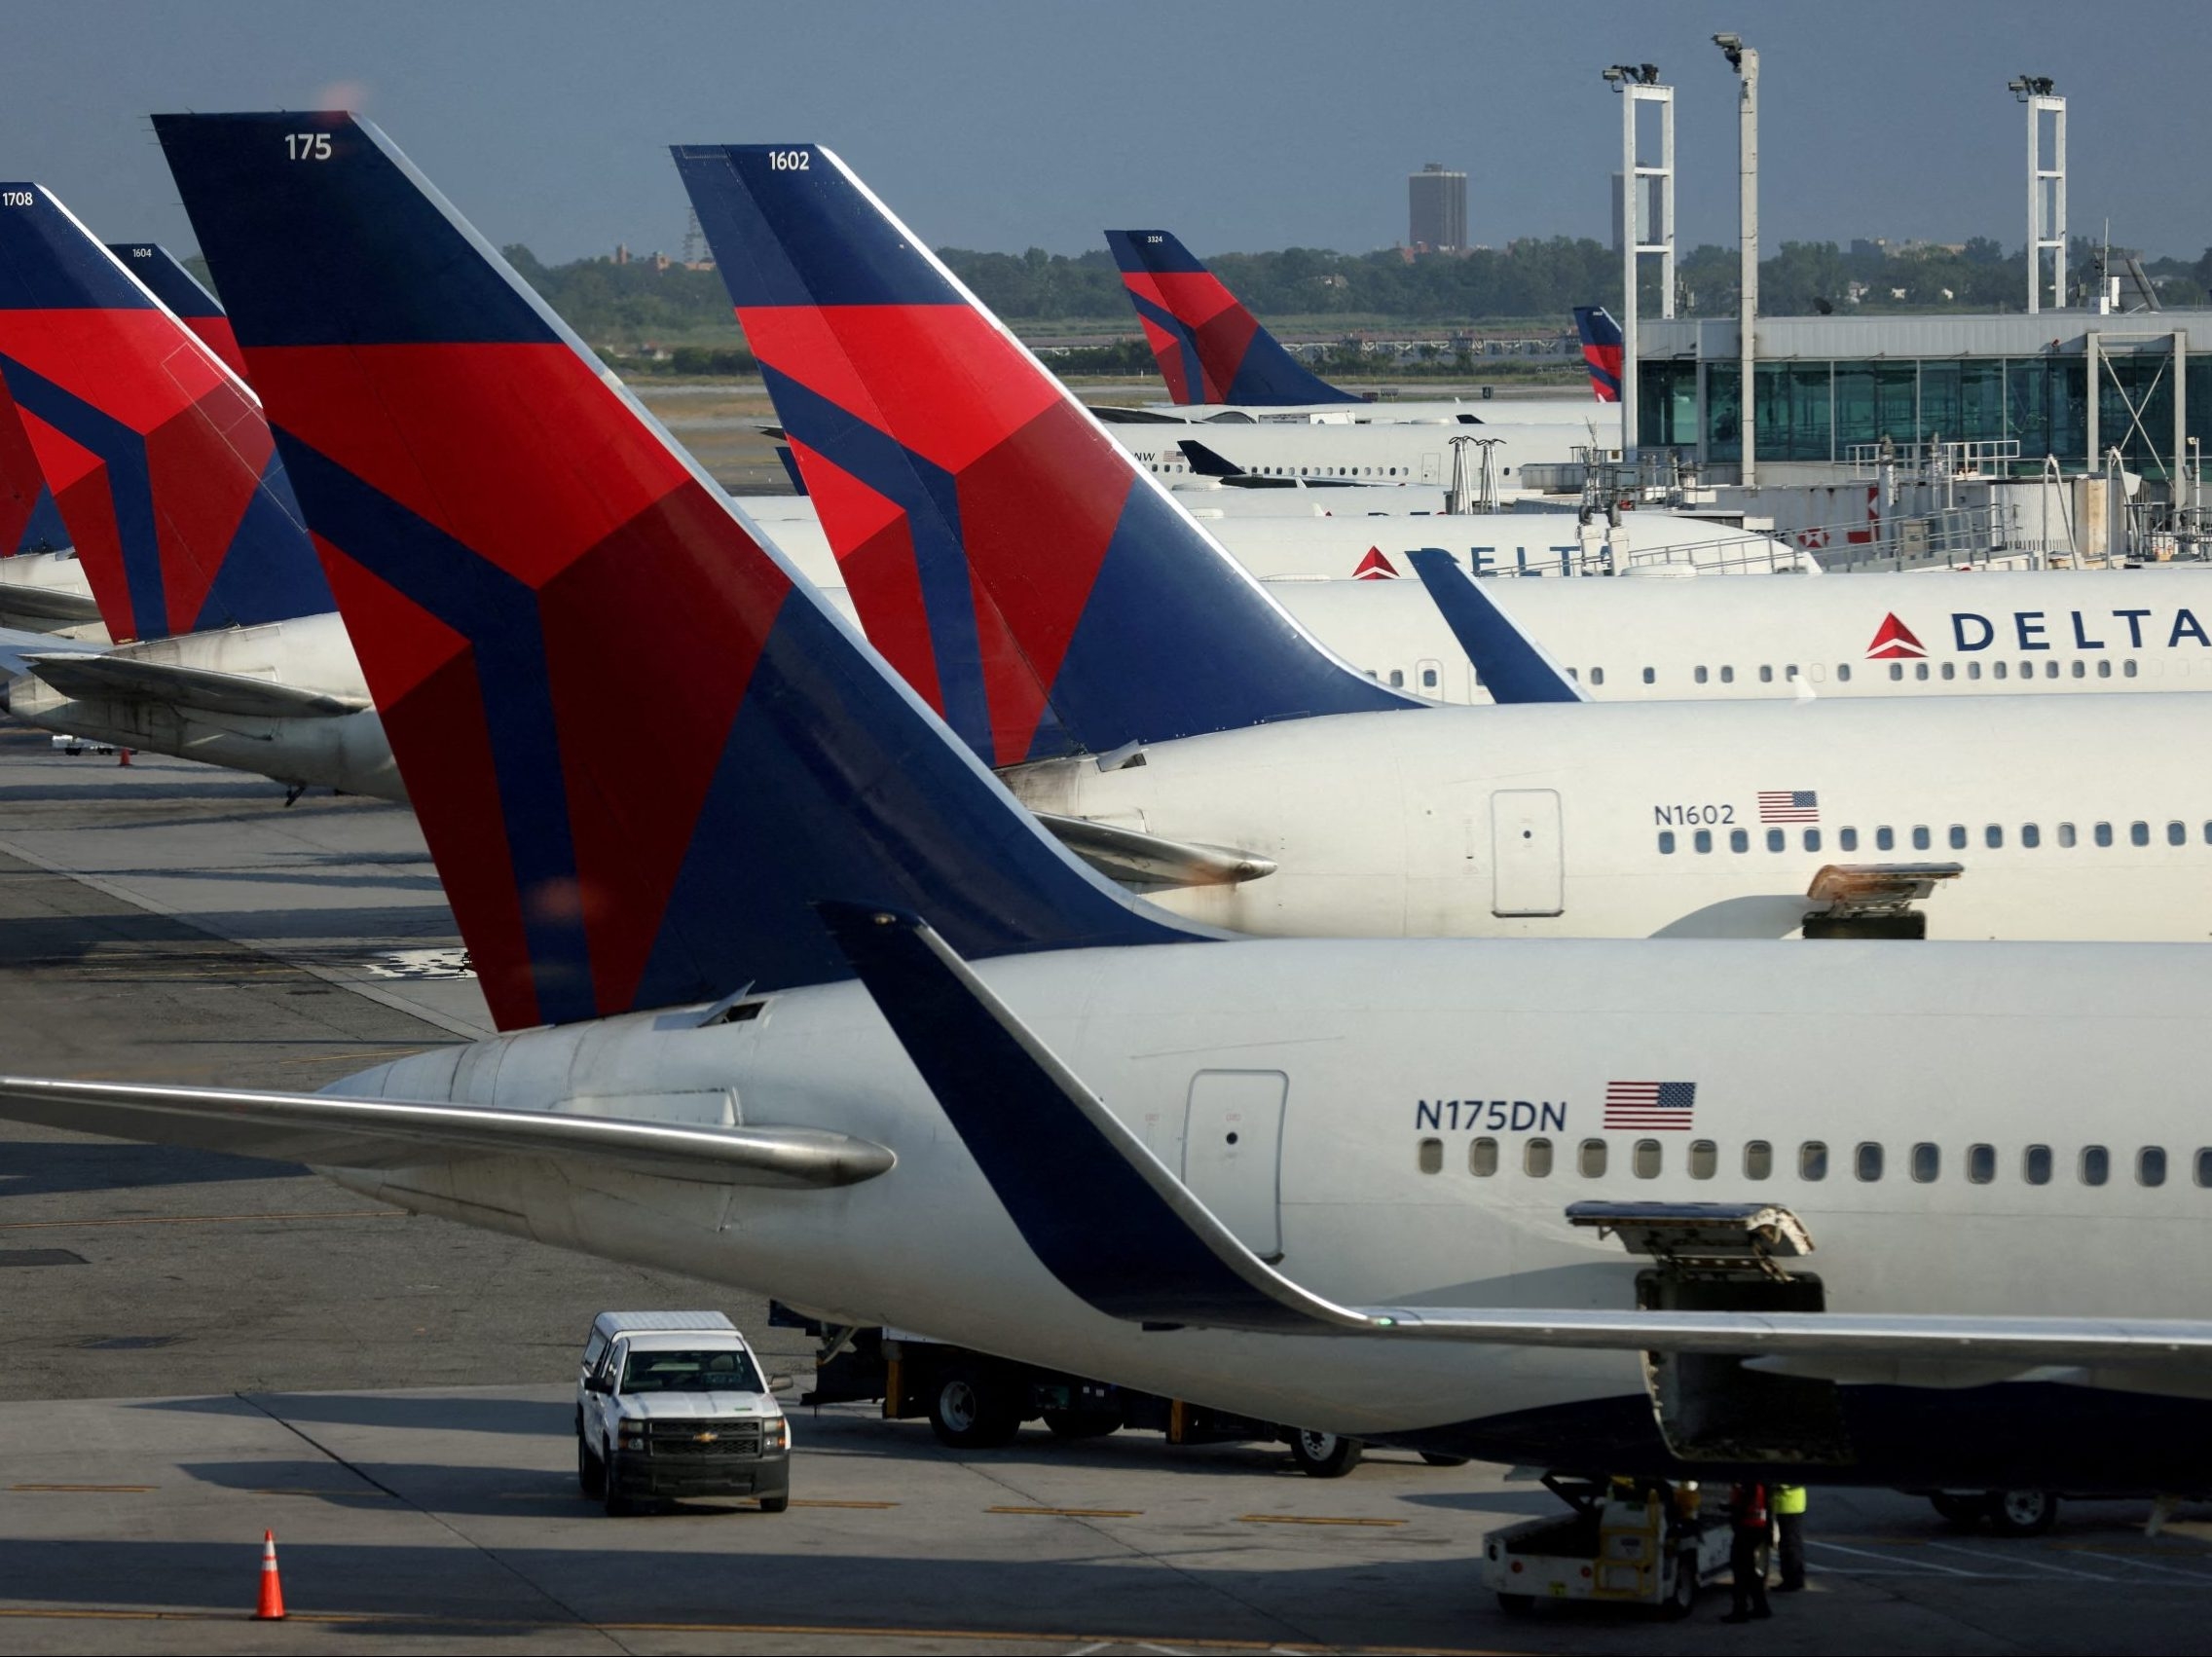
{"points": [[1664, 1106], [1789, 805]]}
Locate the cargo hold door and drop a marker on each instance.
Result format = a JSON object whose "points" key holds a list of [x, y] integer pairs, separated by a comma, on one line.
{"points": [[1526, 864], [1233, 1153]]}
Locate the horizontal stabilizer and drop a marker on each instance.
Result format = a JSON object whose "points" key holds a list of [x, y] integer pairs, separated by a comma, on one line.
{"points": [[19, 646], [1069, 1174], [1513, 666], [19, 602], [1131, 855], [131, 679], [329, 1131]]}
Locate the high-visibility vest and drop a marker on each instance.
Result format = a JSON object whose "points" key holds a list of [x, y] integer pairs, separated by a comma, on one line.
{"points": [[1790, 1499]]}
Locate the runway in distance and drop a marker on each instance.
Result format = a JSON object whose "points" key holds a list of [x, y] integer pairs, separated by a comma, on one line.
{"points": [[1381, 1255], [1125, 673]]}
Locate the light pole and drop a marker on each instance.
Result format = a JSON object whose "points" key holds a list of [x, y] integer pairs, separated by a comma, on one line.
{"points": [[2046, 187], [1745, 62], [1638, 84]]}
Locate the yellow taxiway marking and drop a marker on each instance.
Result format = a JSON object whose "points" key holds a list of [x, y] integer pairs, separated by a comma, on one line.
{"points": [[89, 1489], [831, 1631], [205, 1219], [1307, 1519], [797, 1502], [1073, 1511], [362, 1489]]}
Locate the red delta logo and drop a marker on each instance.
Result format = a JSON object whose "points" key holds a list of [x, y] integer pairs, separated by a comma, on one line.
{"points": [[1375, 567], [1894, 640]]}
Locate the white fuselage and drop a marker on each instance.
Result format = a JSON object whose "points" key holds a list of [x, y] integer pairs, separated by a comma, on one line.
{"points": [[1484, 411], [1335, 547], [1990, 634], [1627, 820], [1439, 1106], [1407, 452], [345, 750]]}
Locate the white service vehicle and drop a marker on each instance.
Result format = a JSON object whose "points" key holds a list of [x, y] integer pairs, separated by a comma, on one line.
{"points": [[1628, 1542], [675, 1404]]}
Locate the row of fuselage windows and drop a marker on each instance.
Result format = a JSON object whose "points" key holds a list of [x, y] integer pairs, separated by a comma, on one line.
{"points": [[1868, 1162], [1179, 468], [1818, 673], [1957, 837]]}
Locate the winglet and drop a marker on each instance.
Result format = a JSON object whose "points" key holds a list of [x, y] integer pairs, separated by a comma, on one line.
{"points": [[1513, 666], [1210, 349], [1207, 462], [1104, 1215]]}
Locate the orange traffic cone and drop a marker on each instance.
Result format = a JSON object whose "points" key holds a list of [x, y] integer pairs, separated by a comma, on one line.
{"points": [[122, 757], [272, 1606]]}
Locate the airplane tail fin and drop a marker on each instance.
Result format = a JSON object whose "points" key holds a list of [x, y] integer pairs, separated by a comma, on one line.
{"points": [[157, 453], [1601, 347], [29, 521], [1026, 576], [190, 303], [640, 745], [1210, 349]]}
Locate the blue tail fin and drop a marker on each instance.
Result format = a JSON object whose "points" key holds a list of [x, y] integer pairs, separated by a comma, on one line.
{"points": [[1210, 349], [1513, 667], [638, 744], [157, 453], [1019, 566]]}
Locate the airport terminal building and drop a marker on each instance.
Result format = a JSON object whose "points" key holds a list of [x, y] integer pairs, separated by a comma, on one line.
{"points": [[2072, 385]]}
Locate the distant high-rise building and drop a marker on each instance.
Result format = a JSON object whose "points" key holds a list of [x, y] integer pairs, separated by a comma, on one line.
{"points": [[1437, 200]]}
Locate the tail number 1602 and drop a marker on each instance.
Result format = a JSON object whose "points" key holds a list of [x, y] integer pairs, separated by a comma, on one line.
{"points": [[791, 161]]}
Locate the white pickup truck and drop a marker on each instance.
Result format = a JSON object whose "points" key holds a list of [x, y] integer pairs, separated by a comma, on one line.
{"points": [[674, 1404]]}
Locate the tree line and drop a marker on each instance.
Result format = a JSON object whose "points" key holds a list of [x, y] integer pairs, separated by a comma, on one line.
{"points": [[679, 320]]}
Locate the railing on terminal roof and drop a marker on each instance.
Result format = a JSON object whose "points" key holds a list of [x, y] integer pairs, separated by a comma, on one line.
{"points": [[1989, 457], [1981, 537]]}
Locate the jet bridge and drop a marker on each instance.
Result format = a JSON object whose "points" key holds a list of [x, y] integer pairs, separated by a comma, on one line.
{"points": [[1726, 1257]]}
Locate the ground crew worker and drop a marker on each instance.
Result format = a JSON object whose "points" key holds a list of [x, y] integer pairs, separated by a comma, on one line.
{"points": [[1789, 1521], [1751, 1528]]}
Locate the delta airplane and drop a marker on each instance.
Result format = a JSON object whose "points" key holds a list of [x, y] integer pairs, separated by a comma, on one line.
{"points": [[1221, 365], [1375, 457], [1047, 1123], [1944, 633], [229, 649], [1127, 676]]}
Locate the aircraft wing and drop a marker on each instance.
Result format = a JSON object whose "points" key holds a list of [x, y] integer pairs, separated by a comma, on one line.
{"points": [[331, 1131], [1514, 667], [52, 606], [1069, 1174], [131, 679]]}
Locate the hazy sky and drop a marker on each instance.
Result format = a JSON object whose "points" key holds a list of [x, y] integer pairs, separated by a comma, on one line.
{"points": [[1240, 126]]}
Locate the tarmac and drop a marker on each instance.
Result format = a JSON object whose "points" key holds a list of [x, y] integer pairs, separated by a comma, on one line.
{"points": [[200, 1348]]}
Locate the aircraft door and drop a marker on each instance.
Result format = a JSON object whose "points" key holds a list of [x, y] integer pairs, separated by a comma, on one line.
{"points": [[1431, 468], [1233, 1153], [1527, 867]]}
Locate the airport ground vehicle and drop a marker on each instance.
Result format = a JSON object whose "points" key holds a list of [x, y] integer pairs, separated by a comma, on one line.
{"points": [[1627, 1542], [675, 1404], [974, 1400]]}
